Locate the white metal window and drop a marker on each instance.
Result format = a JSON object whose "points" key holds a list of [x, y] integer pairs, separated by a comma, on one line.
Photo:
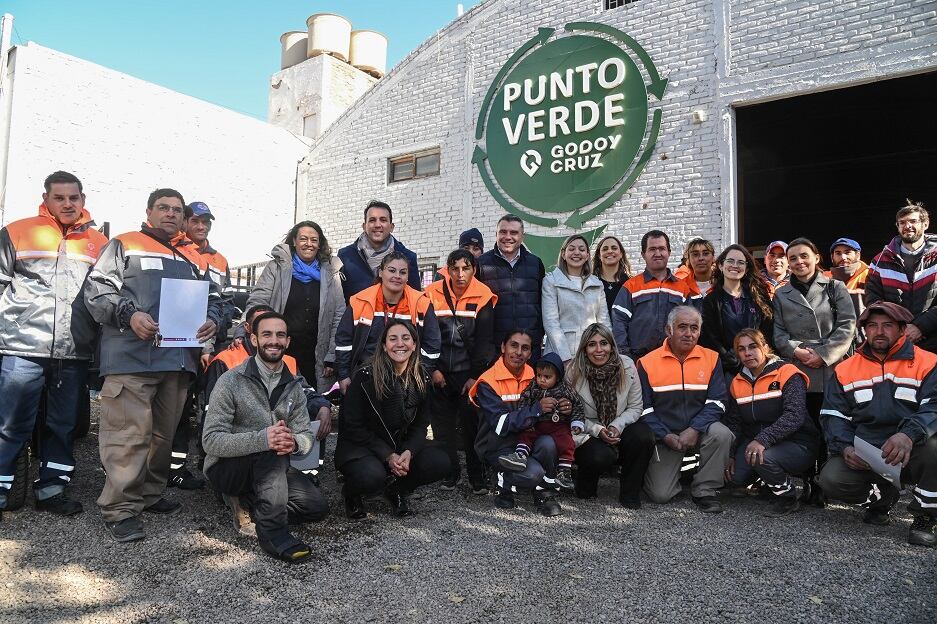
{"points": [[410, 166]]}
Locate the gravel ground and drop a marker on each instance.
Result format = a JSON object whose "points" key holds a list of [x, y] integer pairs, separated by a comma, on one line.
{"points": [[461, 560]]}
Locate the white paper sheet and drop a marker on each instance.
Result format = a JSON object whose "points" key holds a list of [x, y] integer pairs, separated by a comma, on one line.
{"points": [[309, 461], [872, 455], [183, 306]]}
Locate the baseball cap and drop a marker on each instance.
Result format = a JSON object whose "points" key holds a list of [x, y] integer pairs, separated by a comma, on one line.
{"points": [[201, 209], [471, 237], [848, 242], [774, 244]]}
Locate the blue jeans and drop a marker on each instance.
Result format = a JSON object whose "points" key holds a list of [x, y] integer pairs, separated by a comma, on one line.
{"points": [[540, 473], [22, 381]]}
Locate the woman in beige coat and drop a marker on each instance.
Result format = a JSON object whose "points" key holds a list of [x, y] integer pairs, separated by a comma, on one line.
{"points": [[608, 385]]}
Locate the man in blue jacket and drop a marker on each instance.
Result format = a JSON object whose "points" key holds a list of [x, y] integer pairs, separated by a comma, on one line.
{"points": [[515, 275], [361, 259]]}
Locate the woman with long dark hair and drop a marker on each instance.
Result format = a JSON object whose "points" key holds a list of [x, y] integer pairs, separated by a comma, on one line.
{"points": [[385, 414], [302, 283], [739, 300], [610, 264]]}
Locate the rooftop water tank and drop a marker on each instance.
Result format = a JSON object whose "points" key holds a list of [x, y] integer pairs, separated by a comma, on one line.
{"points": [[369, 52], [293, 48], [328, 34]]}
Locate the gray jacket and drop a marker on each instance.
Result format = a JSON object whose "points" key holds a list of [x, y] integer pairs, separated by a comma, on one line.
{"points": [[569, 305], [42, 270], [630, 404], [127, 278], [241, 410], [273, 289], [800, 322]]}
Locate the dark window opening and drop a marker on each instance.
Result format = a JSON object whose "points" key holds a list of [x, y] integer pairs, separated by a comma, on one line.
{"points": [[614, 4]]}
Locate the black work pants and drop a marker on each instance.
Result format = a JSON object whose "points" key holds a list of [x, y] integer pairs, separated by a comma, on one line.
{"points": [[455, 426], [369, 475], [276, 493], [633, 453]]}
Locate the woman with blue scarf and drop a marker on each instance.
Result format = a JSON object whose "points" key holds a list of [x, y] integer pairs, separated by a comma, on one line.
{"points": [[302, 283]]}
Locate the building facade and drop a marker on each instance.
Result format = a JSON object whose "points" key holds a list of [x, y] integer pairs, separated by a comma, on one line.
{"points": [[722, 59]]}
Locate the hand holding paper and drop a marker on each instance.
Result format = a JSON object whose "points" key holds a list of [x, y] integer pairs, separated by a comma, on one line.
{"points": [[872, 455], [183, 305]]}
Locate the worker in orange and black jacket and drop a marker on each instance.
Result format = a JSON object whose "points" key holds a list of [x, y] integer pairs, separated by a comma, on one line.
{"points": [[644, 301], [886, 395], [464, 308], [362, 323], [849, 268]]}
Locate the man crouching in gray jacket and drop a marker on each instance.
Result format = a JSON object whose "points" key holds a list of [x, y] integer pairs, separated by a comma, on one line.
{"points": [[256, 419]]}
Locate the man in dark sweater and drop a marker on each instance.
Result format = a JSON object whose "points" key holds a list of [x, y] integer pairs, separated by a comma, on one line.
{"points": [[514, 275], [361, 259]]}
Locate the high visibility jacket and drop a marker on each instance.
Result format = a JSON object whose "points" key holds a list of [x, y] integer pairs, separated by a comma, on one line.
{"points": [[874, 400], [640, 311], [127, 278], [466, 326], [759, 408], [216, 265], [695, 295], [678, 395], [234, 356], [496, 393], [363, 323], [887, 280], [42, 270], [855, 284]]}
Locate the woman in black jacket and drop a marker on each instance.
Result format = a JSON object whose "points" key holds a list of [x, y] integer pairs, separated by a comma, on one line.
{"points": [[384, 416], [738, 300]]}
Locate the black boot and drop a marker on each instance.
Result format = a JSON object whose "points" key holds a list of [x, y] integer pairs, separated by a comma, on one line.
{"points": [[547, 504], [399, 503], [354, 506]]}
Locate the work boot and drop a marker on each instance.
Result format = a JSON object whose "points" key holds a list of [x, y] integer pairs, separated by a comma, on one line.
{"points": [[547, 504], [708, 504], [164, 507], [126, 530], [505, 499], [185, 480], [59, 505], [783, 505], [921, 532], [240, 516]]}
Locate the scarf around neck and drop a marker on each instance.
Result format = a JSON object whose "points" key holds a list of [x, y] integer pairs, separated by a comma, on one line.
{"points": [[603, 384], [305, 273], [372, 257]]}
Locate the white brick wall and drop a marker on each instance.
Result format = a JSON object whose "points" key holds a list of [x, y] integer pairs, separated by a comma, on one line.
{"points": [[124, 137], [716, 53]]}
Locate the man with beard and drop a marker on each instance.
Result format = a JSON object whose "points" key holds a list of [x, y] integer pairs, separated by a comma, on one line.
{"points": [[885, 394], [904, 271], [247, 459]]}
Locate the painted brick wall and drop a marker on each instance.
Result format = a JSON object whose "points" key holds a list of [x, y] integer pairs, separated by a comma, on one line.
{"points": [[716, 54], [124, 137]]}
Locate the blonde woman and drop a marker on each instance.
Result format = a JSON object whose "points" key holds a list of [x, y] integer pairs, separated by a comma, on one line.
{"points": [[571, 299]]}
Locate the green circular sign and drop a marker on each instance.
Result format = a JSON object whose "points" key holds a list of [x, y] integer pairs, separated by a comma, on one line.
{"points": [[566, 124]]}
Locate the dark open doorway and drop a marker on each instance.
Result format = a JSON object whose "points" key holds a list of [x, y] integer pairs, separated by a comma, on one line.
{"points": [[837, 163]]}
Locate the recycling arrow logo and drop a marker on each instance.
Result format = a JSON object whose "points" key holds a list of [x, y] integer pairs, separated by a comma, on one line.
{"points": [[566, 127]]}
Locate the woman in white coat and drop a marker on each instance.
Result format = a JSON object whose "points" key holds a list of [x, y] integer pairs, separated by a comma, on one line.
{"points": [[607, 383], [572, 298]]}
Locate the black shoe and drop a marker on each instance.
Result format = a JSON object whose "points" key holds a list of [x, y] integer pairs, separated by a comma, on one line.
{"points": [[922, 531], [354, 507], [296, 554], [816, 498], [547, 505], [479, 487], [185, 480], [564, 479], [448, 485], [783, 505], [630, 502], [505, 500], [126, 530], [399, 504], [59, 505], [877, 516], [708, 504], [164, 507]]}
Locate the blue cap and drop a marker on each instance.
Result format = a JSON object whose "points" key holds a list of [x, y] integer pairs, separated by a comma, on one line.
{"points": [[848, 242], [201, 209]]}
